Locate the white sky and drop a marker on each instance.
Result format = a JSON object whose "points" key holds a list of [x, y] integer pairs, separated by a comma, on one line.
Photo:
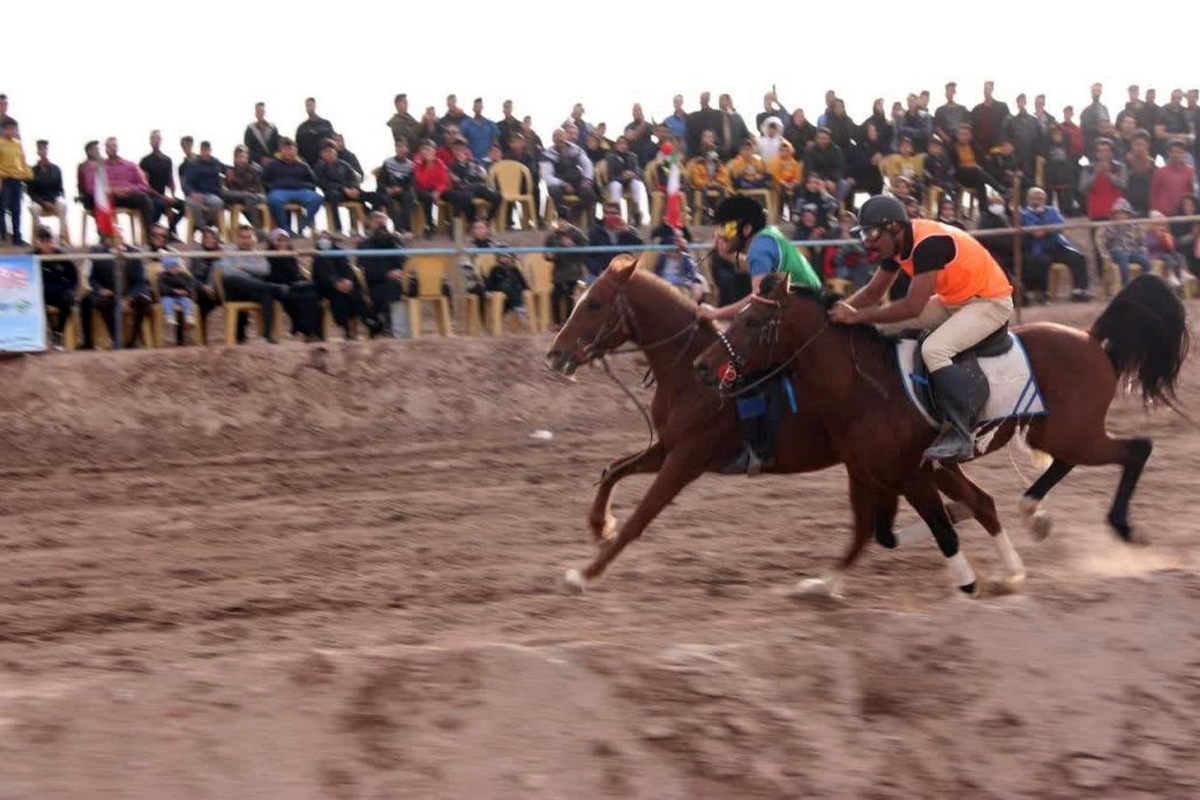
{"points": [[72, 76]]}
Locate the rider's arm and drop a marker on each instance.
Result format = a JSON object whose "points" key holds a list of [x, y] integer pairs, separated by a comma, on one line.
{"points": [[931, 255], [872, 294], [761, 258]]}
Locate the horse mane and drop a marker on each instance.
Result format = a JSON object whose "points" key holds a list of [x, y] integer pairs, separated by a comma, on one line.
{"points": [[666, 295]]}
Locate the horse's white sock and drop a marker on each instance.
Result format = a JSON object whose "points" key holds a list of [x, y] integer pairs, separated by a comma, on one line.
{"points": [[911, 533], [1008, 555], [961, 571]]}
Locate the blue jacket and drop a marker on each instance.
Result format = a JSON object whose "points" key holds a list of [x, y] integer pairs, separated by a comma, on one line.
{"points": [[1047, 216], [479, 135], [203, 176]]}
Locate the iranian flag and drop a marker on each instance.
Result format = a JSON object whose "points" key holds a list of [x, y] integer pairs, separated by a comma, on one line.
{"points": [[674, 213], [102, 196]]}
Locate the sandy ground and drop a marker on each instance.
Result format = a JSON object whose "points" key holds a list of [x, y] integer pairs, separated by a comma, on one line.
{"points": [[332, 573]]}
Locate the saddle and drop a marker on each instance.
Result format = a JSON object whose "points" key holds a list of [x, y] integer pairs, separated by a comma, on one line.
{"points": [[996, 344]]}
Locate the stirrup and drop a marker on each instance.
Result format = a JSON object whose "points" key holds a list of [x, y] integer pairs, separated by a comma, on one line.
{"points": [[746, 462], [951, 445]]}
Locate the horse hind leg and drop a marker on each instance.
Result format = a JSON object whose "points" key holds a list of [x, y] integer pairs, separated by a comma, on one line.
{"points": [[1037, 520], [1132, 455], [872, 514], [982, 505], [923, 496], [967, 502]]}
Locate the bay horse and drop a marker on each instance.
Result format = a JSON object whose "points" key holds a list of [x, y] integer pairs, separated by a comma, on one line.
{"points": [[849, 375], [696, 430]]}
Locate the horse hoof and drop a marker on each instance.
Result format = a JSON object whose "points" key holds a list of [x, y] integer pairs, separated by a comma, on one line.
{"points": [[1005, 583], [970, 590], [573, 581], [818, 587], [1040, 525]]}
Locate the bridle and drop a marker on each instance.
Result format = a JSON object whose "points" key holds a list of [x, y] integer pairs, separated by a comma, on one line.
{"points": [[623, 320], [768, 336]]}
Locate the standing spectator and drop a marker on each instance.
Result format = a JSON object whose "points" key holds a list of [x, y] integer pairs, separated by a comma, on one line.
{"points": [[479, 131], [91, 153], [1193, 115], [244, 275], [883, 127], [916, 124], [1126, 242], [403, 124], [431, 128], [45, 188], [639, 134], [336, 282], [577, 122], [297, 294], [532, 140], [610, 231], [386, 281], [290, 180], [508, 126], [566, 170], [160, 174], [1092, 119], [1025, 133], [135, 291], [950, 114], [431, 178], [569, 268], [706, 118], [1176, 179], [4, 117], [453, 116], [14, 171], [261, 137], [988, 119], [468, 183], [244, 186], [1140, 168], [771, 108], [1061, 172], [625, 174], [312, 133], [841, 127], [395, 183], [787, 171], [1103, 181], [125, 181], [1173, 125], [677, 121], [825, 158], [339, 183], [204, 176], [1045, 119], [187, 145], [799, 132], [60, 281], [1044, 248], [733, 128], [1143, 113], [1074, 134]]}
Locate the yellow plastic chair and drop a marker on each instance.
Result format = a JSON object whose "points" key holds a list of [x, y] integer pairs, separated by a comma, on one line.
{"points": [[430, 272], [233, 308], [539, 274], [356, 210], [235, 214], [508, 177]]}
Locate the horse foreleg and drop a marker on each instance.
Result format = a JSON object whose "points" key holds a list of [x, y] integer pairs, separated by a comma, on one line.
{"points": [[872, 514], [923, 496], [966, 505], [1037, 520], [600, 519], [679, 468], [983, 506]]}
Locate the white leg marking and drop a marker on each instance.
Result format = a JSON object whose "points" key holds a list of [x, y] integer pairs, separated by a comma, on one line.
{"points": [[831, 584], [961, 571], [573, 579], [610, 527], [1014, 569]]}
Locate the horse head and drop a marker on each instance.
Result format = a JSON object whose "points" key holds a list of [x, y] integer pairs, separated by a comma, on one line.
{"points": [[768, 332], [622, 306]]}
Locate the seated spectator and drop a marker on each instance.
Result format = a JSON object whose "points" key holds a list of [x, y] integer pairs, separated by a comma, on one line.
{"points": [[505, 276], [610, 231], [344, 154], [202, 269], [907, 162], [339, 183], [245, 274], [733, 280], [519, 151], [825, 158], [336, 282], [813, 192], [468, 183], [994, 215], [1060, 171], [711, 178], [849, 259], [494, 155], [677, 267], [938, 168], [1126, 242], [566, 171], [298, 294], [204, 176], [160, 174], [14, 172], [176, 289], [1139, 170], [386, 280], [1043, 248], [290, 180], [970, 166], [445, 151], [396, 186], [770, 140], [799, 131], [593, 147], [431, 177], [787, 171], [45, 188], [1174, 181], [1161, 245], [60, 281], [244, 187], [135, 291], [747, 169], [1187, 234], [865, 157], [810, 226], [91, 152], [261, 138], [1003, 166], [948, 213], [904, 191], [625, 175], [569, 268]]}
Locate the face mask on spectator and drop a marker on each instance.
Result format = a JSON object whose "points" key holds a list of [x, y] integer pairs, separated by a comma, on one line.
{"points": [[324, 244]]}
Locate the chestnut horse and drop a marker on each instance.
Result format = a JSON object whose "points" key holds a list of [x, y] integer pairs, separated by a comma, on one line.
{"points": [[849, 375], [697, 431]]}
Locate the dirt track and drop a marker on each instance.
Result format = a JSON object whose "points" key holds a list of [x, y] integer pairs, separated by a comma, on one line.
{"points": [[281, 573]]}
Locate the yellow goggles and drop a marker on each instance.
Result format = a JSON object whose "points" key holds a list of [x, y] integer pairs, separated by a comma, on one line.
{"points": [[728, 230]]}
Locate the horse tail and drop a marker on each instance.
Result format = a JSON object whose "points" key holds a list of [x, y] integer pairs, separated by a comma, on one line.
{"points": [[1144, 333]]}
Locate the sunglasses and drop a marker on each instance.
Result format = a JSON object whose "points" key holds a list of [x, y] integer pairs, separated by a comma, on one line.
{"points": [[869, 234]]}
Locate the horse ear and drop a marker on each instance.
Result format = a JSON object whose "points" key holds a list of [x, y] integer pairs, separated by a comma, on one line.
{"points": [[622, 267]]}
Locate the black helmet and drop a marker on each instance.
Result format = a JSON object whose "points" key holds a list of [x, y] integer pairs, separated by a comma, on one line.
{"points": [[879, 212], [740, 210]]}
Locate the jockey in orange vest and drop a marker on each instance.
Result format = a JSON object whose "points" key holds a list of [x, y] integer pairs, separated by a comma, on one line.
{"points": [[958, 292]]}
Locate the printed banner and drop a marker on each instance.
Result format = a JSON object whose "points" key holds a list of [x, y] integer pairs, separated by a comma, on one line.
{"points": [[22, 311]]}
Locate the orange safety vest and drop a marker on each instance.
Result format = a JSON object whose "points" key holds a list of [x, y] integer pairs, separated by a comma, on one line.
{"points": [[972, 273]]}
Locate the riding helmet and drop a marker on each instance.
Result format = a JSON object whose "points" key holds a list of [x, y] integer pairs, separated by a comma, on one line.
{"points": [[740, 210], [880, 211]]}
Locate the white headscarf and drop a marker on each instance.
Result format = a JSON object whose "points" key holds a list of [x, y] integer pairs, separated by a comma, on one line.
{"points": [[768, 145]]}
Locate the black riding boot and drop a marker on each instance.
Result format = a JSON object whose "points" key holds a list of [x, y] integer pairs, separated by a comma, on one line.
{"points": [[758, 445], [956, 393]]}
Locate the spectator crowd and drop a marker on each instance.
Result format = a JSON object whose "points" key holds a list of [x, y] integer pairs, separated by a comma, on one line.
{"points": [[952, 161]]}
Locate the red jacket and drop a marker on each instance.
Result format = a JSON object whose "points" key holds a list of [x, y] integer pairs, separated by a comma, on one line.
{"points": [[430, 176], [1074, 139]]}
